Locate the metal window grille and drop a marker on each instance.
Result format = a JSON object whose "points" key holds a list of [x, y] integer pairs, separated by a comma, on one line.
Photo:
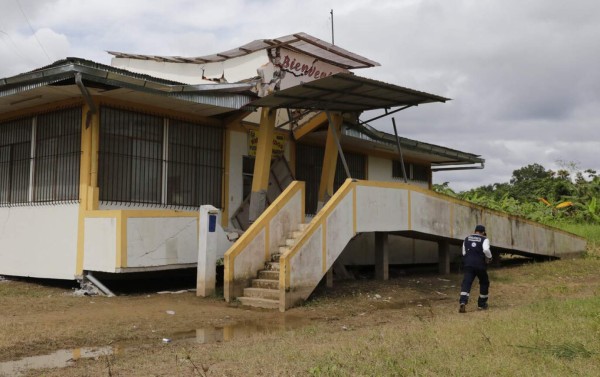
{"points": [[15, 163], [415, 172], [420, 173], [309, 165], [195, 164], [57, 156], [247, 175], [130, 157], [146, 159]]}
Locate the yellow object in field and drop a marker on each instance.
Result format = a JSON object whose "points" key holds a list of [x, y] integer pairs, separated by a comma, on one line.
{"points": [[544, 201], [564, 204]]}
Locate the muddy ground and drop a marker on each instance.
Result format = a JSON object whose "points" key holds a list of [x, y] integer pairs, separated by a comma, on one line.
{"points": [[38, 319]]}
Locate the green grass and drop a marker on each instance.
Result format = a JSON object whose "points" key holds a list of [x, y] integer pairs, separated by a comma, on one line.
{"points": [[589, 231]]}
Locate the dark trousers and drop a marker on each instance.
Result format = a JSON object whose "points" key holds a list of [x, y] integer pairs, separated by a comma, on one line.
{"points": [[484, 285]]}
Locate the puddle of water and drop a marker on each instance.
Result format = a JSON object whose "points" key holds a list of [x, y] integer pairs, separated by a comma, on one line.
{"points": [[58, 359], [64, 358], [246, 329]]}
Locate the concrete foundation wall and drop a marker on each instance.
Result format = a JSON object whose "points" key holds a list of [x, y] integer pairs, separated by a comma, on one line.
{"points": [[100, 244], [39, 241], [161, 241]]}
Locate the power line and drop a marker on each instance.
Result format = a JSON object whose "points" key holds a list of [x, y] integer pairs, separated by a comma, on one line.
{"points": [[32, 31], [15, 46]]}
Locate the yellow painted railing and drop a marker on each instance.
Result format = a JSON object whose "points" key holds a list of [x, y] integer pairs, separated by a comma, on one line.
{"points": [[318, 221], [262, 224], [309, 271]]}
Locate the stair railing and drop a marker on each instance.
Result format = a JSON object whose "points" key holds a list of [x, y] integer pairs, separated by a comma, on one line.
{"points": [[250, 252]]}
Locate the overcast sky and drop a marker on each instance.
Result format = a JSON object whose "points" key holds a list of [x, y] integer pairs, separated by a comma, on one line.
{"points": [[524, 76]]}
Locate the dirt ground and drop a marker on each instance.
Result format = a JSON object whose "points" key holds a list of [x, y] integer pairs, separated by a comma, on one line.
{"points": [[38, 319]]}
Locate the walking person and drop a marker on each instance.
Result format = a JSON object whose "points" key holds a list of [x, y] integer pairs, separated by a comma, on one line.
{"points": [[476, 255]]}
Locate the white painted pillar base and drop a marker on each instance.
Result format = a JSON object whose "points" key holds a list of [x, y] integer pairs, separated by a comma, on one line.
{"points": [[207, 252]]}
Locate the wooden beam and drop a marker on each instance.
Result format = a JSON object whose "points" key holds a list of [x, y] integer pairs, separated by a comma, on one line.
{"points": [[314, 123], [329, 162], [262, 163]]}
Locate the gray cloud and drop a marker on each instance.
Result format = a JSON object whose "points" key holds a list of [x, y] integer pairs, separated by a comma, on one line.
{"points": [[521, 74]]}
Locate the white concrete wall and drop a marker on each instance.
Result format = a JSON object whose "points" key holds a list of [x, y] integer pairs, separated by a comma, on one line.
{"points": [[430, 214], [285, 222], [252, 259], [39, 241], [100, 244], [380, 209], [161, 241], [380, 169]]}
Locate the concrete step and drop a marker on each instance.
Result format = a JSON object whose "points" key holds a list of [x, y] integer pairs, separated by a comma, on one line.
{"points": [[290, 242], [272, 266], [268, 275], [297, 234], [283, 249], [275, 257], [265, 283], [271, 294], [302, 227], [259, 302]]}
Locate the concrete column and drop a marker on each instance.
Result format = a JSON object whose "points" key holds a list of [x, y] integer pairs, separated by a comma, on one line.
{"points": [[443, 257], [330, 278], [262, 164], [381, 256], [207, 251], [329, 163]]}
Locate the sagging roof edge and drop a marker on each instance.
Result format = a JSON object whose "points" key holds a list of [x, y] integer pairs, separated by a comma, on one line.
{"points": [[287, 41], [238, 95], [462, 158]]}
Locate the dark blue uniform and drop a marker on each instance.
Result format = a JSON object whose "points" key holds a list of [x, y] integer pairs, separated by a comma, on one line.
{"points": [[475, 266]]}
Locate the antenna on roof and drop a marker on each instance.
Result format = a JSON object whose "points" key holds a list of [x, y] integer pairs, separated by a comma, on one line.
{"points": [[332, 38]]}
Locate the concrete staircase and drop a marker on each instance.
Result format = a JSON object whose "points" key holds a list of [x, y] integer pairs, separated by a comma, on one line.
{"points": [[264, 292]]}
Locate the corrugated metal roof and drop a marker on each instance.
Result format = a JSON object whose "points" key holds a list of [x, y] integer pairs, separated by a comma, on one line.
{"points": [[226, 96], [299, 42], [346, 92], [451, 156]]}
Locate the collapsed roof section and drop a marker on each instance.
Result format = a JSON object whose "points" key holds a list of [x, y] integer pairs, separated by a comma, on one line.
{"points": [[56, 82], [298, 42], [272, 64]]}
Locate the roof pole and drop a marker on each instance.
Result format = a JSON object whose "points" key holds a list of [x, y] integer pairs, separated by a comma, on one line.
{"points": [[399, 151], [337, 140], [332, 37]]}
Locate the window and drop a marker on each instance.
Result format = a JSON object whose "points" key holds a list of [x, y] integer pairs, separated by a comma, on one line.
{"points": [[195, 164], [414, 172], [130, 156], [149, 159], [15, 154], [309, 164], [57, 156], [39, 158], [247, 175]]}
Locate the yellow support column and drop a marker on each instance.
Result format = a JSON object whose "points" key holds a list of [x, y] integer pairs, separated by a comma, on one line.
{"points": [[329, 162], [262, 164], [88, 192]]}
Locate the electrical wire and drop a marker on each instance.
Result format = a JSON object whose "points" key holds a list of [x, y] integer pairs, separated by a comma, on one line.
{"points": [[32, 31]]}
